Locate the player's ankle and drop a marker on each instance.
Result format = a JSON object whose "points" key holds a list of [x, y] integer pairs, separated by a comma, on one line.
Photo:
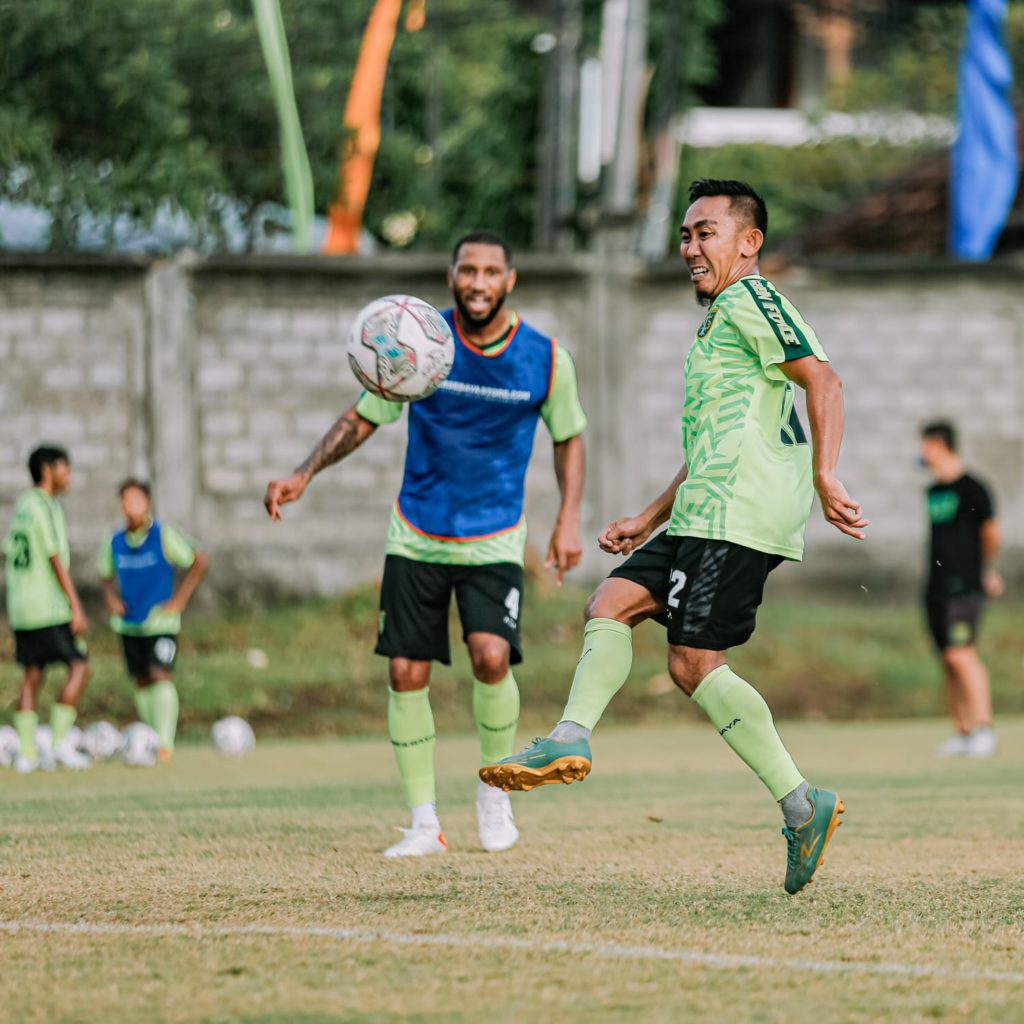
{"points": [[569, 732]]}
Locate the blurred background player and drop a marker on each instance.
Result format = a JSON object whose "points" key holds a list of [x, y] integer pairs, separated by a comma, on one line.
{"points": [[735, 511], [137, 567], [965, 539], [44, 610], [458, 525]]}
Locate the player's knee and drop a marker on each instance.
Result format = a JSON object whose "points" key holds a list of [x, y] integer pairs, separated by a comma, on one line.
{"points": [[490, 662], [686, 670], [407, 675]]}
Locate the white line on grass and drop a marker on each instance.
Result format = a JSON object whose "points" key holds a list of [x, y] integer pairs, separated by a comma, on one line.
{"points": [[608, 950]]}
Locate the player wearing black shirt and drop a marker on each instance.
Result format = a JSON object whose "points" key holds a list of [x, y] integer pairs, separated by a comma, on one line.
{"points": [[965, 539]]}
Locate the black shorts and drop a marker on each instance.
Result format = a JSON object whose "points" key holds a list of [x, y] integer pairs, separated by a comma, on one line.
{"points": [[144, 653], [415, 598], [37, 648], [954, 621], [710, 589]]}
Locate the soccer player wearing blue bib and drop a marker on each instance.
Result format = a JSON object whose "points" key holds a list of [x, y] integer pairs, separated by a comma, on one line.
{"points": [[137, 566], [458, 525]]}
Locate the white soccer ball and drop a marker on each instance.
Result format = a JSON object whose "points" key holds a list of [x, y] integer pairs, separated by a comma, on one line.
{"points": [[102, 741], [10, 746], [141, 745], [400, 348], [233, 736]]}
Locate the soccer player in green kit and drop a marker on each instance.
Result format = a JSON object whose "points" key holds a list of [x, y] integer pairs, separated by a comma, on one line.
{"points": [[44, 610], [735, 511]]}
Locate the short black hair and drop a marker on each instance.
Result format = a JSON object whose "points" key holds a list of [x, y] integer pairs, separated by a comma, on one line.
{"points": [[134, 483], [484, 238], [45, 455], [745, 196], [943, 430]]}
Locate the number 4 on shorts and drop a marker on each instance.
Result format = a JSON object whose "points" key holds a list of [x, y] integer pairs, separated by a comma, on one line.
{"points": [[512, 605]]}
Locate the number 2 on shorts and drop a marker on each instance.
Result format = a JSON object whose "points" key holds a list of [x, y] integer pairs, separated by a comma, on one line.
{"points": [[677, 579]]}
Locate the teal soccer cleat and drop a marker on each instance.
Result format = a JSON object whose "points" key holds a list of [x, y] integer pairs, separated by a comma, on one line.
{"points": [[545, 761], [805, 846]]}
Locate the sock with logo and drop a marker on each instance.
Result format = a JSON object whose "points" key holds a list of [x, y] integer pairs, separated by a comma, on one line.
{"points": [[62, 717], [496, 710], [744, 721], [164, 707], [144, 705], [25, 723], [411, 728], [602, 670]]}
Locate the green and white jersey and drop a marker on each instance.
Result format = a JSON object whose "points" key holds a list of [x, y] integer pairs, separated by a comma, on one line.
{"points": [[39, 531], [750, 479], [564, 418], [179, 551]]}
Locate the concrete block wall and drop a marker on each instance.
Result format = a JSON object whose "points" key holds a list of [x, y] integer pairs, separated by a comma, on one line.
{"points": [[213, 376]]}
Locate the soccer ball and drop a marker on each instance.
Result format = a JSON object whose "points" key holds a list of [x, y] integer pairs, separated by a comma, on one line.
{"points": [[102, 741], [233, 736], [141, 745], [400, 348], [10, 746]]}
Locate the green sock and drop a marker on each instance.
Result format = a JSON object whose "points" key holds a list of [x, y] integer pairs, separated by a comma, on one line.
{"points": [[164, 704], [25, 723], [744, 721], [496, 710], [62, 717], [144, 704], [602, 670], [411, 728]]}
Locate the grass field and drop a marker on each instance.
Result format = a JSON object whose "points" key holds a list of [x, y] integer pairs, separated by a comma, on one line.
{"points": [[864, 658], [254, 890]]}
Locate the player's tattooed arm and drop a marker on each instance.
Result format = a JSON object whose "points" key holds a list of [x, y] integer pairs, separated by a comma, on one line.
{"points": [[349, 431]]}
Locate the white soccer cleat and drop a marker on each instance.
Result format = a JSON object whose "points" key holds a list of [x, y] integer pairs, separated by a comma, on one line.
{"points": [[24, 765], [955, 746], [418, 842], [68, 756], [981, 743], [494, 822]]}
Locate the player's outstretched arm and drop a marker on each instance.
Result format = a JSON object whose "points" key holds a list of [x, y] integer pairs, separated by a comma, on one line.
{"points": [[565, 548], [349, 431], [623, 536], [825, 411]]}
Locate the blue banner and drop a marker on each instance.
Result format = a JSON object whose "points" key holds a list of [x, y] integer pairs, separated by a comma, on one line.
{"points": [[985, 164]]}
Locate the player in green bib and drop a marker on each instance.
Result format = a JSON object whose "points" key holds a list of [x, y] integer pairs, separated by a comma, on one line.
{"points": [[735, 511], [44, 611]]}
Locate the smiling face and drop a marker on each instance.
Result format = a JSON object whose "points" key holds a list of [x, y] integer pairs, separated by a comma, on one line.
{"points": [[720, 243], [480, 280]]}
